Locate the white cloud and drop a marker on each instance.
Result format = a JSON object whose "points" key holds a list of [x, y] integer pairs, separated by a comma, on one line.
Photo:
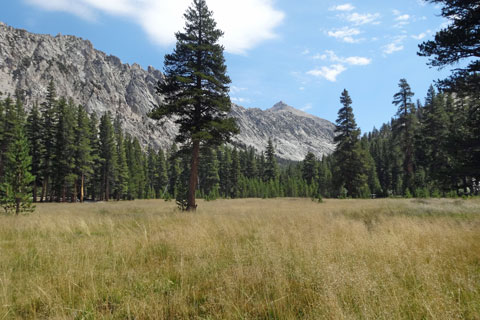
{"points": [[329, 73], [343, 7], [301, 88], [332, 57], [358, 61], [361, 19], [392, 47], [419, 36], [75, 7], [305, 52], [235, 89], [395, 45], [239, 100], [160, 19], [345, 34], [403, 17]]}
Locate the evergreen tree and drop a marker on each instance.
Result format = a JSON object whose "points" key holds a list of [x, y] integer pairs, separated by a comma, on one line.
{"points": [[49, 123], [404, 130], [325, 178], [121, 185], [140, 175], [459, 40], [235, 175], [225, 172], [8, 127], [196, 88], [270, 171], [309, 168], [84, 159], [108, 156], [34, 131], [349, 159], [63, 163], [173, 170], [15, 190], [161, 177], [94, 180], [251, 170], [150, 172], [209, 176]]}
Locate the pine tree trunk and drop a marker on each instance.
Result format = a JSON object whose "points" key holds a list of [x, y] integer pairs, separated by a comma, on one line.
{"points": [[192, 186], [64, 193], [82, 179], [34, 191], [44, 190], [75, 191], [107, 192]]}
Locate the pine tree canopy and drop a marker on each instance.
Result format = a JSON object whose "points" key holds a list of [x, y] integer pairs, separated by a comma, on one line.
{"points": [[403, 98], [346, 127], [196, 84], [458, 41]]}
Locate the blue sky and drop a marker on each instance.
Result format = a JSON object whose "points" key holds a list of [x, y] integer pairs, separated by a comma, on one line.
{"points": [[301, 52]]}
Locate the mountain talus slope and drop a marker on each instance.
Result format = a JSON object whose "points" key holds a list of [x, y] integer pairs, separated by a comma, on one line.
{"points": [[101, 83]]}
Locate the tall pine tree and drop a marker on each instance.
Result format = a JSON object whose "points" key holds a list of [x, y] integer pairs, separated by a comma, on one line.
{"points": [[349, 159], [404, 130], [196, 88]]}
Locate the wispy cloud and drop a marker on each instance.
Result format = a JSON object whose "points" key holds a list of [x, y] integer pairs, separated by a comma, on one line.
{"points": [[329, 73], [403, 17], [332, 57], [345, 34], [361, 19], [392, 47], [235, 89], [160, 19], [239, 100], [358, 61], [419, 36], [343, 7]]}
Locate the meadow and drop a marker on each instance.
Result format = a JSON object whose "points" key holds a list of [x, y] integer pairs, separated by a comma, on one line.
{"points": [[243, 259]]}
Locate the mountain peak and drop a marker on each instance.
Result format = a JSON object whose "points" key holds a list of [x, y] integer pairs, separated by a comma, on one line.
{"points": [[281, 106]]}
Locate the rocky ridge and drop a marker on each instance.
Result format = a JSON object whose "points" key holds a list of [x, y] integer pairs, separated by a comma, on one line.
{"points": [[101, 83]]}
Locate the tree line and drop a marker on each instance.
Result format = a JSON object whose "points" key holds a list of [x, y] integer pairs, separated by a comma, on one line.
{"points": [[428, 149], [58, 152]]}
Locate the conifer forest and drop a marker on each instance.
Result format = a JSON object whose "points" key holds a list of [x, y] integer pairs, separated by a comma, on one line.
{"points": [[58, 152], [54, 151]]}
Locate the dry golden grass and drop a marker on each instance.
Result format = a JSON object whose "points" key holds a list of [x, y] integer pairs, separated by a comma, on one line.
{"points": [[243, 259]]}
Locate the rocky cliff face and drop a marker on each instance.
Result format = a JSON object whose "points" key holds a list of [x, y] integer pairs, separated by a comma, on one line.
{"points": [[103, 83], [293, 132]]}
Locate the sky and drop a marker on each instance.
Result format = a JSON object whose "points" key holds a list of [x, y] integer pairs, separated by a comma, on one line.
{"points": [[303, 52]]}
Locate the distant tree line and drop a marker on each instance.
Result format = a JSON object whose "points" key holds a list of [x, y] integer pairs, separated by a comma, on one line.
{"points": [[58, 152]]}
